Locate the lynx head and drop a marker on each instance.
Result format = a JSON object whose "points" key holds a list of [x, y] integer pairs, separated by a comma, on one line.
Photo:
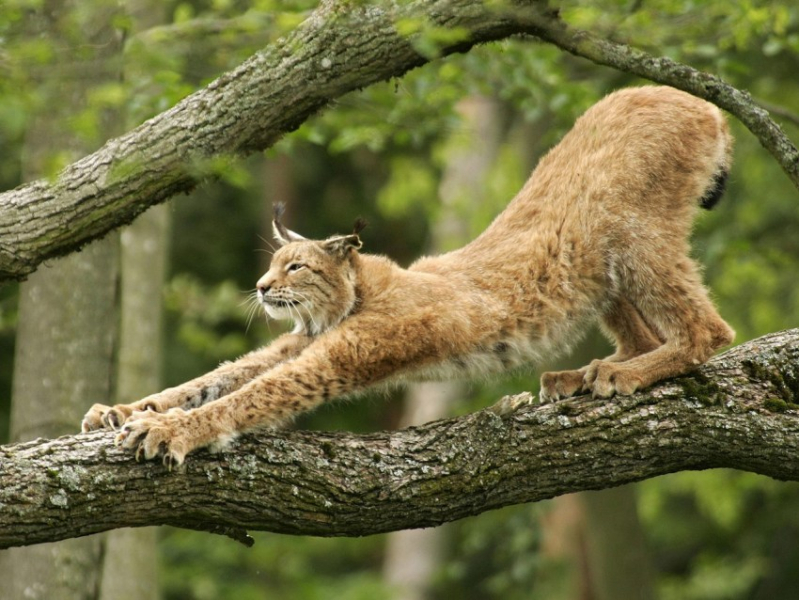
{"points": [[311, 282]]}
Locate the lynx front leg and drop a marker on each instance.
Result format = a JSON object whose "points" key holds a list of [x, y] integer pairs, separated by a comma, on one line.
{"points": [[223, 380], [268, 401], [336, 364], [101, 416], [171, 435]]}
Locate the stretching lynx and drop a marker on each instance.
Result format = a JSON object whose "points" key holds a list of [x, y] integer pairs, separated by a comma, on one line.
{"points": [[598, 231]]}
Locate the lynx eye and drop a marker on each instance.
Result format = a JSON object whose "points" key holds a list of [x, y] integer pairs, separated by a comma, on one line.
{"points": [[294, 267]]}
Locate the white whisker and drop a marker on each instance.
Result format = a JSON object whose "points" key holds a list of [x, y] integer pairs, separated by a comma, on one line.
{"points": [[306, 303], [270, 243]]}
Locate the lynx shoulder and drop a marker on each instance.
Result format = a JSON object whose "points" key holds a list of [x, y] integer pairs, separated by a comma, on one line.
{"points": [[599, 231]]}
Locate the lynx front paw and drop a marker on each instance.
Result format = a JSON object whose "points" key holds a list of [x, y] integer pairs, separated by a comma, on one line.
{"points": [[561, 384], [606, 379], [151, 435], [101, 416]]}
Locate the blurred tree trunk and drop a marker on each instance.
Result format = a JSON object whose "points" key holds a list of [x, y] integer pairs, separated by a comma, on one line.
{"points": [[413, 556], [279, 187], [68, 318], [63, 363], [605, 543], [619, 562], [129, 567], [563, 542]]}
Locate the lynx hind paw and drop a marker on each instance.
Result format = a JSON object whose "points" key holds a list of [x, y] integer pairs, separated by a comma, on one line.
{"points": [[606, 379], [101, 416], [152, 435], [557, 385], [510, 404]]}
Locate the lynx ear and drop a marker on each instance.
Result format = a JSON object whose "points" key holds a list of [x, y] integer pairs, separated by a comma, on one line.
{"points": [[342, 244], [360, 225], [282, 234]]}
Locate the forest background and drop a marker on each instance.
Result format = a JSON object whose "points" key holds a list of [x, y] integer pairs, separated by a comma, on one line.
{"points": [[428, 160]]}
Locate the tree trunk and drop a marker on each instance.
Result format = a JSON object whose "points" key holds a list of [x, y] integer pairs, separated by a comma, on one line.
{"points": [[619, 561], [413, 556], [67, 321], [130, 570], [129, 567], [63, 362]]}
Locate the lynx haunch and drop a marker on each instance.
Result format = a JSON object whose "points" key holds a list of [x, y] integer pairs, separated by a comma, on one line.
{"points": [[599, 231]]}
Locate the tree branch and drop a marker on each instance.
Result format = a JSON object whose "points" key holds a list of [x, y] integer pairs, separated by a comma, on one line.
{"points": [[666, 71], [341, 47], [780, 111], [737, 411]]}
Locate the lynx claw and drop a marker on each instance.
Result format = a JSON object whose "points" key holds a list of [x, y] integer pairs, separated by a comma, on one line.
{"points": [[114, 419], [610, 379], [101, 416], [561, 384], [150, 435]]}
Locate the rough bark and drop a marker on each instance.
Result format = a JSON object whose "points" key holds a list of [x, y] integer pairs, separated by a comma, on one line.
{"points": [[341, 47], [737, 411]]}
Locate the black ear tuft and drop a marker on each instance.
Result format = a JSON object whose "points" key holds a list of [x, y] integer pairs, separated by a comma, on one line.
{"points": [[282, 234], [360, 225]]}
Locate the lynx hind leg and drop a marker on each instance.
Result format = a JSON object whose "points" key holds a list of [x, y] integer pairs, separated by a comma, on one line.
{"points": [[628, 329], [632, 336], [677, 305], [625, 325]]}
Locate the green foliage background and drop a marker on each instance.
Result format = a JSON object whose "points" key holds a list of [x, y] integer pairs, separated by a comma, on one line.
{"points": [[379, 153]]}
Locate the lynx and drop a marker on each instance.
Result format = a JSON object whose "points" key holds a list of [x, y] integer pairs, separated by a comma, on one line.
{"points": [[599, 231]]}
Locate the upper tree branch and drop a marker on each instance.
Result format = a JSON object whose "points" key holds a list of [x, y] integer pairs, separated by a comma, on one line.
{"points": [[343, 46], [738, 412], [664, 70]]}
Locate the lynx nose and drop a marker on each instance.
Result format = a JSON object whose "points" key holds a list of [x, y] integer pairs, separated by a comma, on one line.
{"points": [[263, 285]]}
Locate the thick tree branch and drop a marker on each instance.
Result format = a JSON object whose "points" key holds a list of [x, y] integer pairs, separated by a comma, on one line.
{"points": [[738, 411], [343, 46]]}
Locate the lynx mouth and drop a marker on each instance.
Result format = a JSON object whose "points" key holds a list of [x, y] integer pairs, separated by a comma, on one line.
{"points": [[280, 302]]}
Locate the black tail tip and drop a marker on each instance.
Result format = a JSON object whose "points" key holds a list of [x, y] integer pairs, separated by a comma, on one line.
{"points": [[715, 191]]}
